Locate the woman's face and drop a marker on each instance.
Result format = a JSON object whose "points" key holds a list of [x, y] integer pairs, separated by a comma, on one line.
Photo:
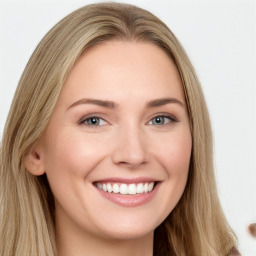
{"points": [[120, 124]]}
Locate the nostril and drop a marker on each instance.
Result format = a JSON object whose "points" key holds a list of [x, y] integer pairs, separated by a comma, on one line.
{"points": [[131, 164], [130, 151]]}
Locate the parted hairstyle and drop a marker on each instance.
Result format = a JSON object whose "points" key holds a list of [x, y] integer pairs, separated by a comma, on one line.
{"points": [[196, 226]]}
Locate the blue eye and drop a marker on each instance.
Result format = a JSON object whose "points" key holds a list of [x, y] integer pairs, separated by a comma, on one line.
{"points": [[93, 121], [161, 120]]}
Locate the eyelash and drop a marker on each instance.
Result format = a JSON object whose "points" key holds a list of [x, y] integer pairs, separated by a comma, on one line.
{"points": [[84, 120], [171, 118]]}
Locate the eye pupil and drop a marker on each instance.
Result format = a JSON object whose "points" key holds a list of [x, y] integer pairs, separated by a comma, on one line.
{"points": [[93, 121], [159, 120]]}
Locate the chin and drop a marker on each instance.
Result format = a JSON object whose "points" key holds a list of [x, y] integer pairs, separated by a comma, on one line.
{"points": [[129, 227], [129, 234]]}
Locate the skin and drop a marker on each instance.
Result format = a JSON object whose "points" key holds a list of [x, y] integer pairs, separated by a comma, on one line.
{"points": [[126, 143]]}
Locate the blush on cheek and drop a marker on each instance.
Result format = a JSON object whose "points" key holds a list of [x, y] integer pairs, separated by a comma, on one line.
{"points": [[179, 158]]}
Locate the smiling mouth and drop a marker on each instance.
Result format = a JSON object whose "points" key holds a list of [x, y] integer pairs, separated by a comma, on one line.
{"points": [[126, 189], [128, 192]]}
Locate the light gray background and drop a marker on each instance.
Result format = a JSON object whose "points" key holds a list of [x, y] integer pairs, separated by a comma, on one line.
{"points": [[219, 37]]}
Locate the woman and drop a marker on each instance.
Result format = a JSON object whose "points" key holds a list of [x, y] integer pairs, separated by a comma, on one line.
{"points": [[108, 148]]}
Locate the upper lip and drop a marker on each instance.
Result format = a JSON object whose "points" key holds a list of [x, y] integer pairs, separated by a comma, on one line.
{"points": [[127, 180]]}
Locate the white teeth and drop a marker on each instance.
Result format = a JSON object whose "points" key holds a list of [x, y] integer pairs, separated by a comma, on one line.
{"points": [[116, 188], [109, 187], [146, 187], [132, 189], [126, 189], [104, 187], [150, 186], [99, 186], [140, 188]]}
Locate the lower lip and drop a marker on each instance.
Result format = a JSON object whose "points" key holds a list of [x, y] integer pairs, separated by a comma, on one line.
{"points": [[130, 200]]}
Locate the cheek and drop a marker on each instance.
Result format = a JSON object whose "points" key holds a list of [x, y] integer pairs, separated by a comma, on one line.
{"points": [[69, 158], [176, 153], [72, 153], [175, 158]]}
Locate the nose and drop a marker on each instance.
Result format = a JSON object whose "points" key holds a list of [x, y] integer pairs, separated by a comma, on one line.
{"points": [[130, 148]]}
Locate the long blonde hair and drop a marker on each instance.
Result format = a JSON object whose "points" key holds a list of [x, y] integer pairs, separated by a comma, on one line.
{"points": [[197, 225]]}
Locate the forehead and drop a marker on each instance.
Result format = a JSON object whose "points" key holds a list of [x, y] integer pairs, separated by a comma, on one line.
{"points": [[116, 68]]}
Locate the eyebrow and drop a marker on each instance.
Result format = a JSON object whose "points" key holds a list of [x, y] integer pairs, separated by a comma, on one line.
{"points": [[113, 105], [102, 103], [163, 101]]}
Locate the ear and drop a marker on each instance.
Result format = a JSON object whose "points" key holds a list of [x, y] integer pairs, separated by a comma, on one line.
{"points": [[33, 161]]}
